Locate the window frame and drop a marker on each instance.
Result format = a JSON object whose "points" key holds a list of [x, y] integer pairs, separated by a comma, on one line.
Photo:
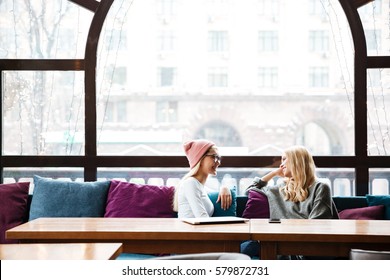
{"points": [[91, 161]]}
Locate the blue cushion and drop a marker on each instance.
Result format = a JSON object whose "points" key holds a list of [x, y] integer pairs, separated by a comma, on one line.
{"points": [[131, 256], [218, 211], [373, 200], [56, 198]]}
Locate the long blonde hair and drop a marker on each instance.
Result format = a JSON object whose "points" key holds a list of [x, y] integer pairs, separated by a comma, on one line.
{"points": [[303, 169], [191, 173]]}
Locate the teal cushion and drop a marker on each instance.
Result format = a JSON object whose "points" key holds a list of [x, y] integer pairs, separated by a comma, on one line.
{"points": [[349, 202], [131, 256], [373, 200], [218, 211], [56, 198]]}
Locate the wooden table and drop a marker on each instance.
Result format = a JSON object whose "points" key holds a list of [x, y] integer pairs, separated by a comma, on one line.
{"points": [[138, 235], [64, 251], [319, 237]]}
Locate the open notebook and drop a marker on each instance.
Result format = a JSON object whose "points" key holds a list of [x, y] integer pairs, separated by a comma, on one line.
{"points": [[214, 220]]}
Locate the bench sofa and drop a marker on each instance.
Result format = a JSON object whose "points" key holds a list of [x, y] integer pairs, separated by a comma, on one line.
{"points": [[372, 207], [112, 198]]}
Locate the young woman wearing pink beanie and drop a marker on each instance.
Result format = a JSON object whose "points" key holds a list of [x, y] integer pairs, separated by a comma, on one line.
{"points": [[191, 199]]}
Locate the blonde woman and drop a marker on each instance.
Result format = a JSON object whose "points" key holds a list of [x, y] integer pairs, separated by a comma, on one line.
{"points": [[191, 199], [300, 196]]}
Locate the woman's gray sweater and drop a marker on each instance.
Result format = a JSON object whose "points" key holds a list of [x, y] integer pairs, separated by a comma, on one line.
{"points": [[318, 205]]}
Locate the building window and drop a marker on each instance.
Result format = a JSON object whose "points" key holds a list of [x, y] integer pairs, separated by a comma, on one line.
{"points": [[318, 8], [268, 8], [318, 77], [166, 76], [121, 111], [116, 112], [218, 41], [109, 112], [218, 77], [268, 77], [166, 112], [318, 41], [166, 7], [268, 41], [166, 41]]}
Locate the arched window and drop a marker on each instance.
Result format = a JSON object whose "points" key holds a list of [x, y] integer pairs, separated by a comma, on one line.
{"points": [[315, 138], [220, 132], [112, 50]]}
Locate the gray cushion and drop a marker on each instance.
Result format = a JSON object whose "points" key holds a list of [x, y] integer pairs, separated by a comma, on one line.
{"points": [[56, 198]]}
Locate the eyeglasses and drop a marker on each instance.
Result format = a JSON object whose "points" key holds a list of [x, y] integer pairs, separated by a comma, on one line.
{"points": [[216, 157]]}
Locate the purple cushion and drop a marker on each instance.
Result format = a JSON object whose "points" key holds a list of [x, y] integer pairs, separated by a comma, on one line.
{"points": [[13, 207], [134, 200], [257, 206], [364, 213]]}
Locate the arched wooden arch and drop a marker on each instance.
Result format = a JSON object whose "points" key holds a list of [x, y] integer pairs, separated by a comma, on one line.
{"points": [[100, 10], [362, 62]]}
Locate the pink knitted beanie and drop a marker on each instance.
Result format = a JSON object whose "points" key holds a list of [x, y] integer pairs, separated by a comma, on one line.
{"points": [[196, 149]]}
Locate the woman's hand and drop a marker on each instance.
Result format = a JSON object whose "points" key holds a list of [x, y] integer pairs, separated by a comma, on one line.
{"points": [[279, 172], [276, 172], [225, 197]]}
